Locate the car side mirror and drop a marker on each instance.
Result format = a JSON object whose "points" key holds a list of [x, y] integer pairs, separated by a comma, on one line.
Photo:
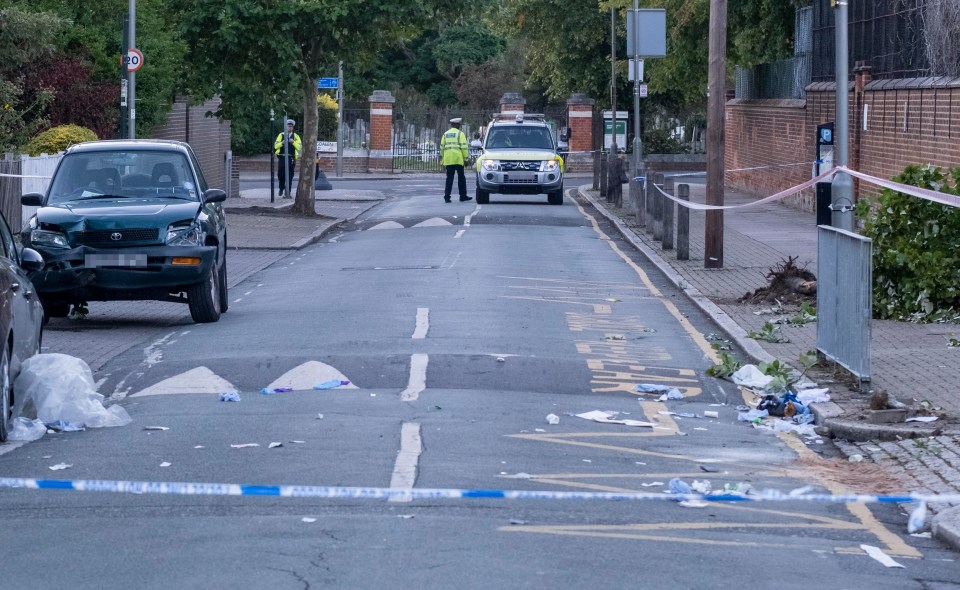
{"points": [[214, 195], [32, 200], [476, 135], [476, 144], [30, 260]]}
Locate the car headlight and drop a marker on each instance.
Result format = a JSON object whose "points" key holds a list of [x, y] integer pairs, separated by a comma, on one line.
{"points": [[185, 235], [50, 239], [490, 164], [549, 166]]}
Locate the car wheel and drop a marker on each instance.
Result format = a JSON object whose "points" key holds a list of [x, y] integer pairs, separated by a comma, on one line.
{"points": [[483, 197], [224, 293], [6, 392], [55, 309], [204, 298], [555, 198]]}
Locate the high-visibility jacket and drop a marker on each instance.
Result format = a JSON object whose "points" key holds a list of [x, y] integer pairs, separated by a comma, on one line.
{"points": [[295, 145], [454, 148]]}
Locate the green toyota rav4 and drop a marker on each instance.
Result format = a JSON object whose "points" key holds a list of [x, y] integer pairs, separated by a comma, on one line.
{"points": [[519, 158], [129, 220]]}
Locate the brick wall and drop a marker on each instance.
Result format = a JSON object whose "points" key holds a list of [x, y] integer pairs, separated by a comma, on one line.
{"points": [[208, 136], [910, 121]]}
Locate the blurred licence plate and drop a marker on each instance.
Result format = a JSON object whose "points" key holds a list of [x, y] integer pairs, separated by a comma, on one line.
{"points": [[127, 260]]}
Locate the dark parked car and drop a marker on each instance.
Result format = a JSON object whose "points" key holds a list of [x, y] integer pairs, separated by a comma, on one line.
{"points": [[130, 220], [21, 317]]}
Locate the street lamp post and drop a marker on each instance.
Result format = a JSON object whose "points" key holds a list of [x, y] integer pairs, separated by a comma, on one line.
{"points": [[842, 189]]}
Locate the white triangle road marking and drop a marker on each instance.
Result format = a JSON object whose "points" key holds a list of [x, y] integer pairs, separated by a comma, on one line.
{"points": [[433, 222], [308, 374], [388, 225], [198, 380]]}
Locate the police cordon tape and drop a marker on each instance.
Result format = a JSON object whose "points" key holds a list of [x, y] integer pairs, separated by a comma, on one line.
{"points": [[922, 193], [373, 493]]}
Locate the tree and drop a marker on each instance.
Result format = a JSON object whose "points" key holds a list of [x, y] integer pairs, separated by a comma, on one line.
{"points": [[24, 37], [296, 42]]}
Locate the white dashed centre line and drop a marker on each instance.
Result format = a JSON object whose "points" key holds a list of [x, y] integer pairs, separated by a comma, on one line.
{"points": [[405, 469], [466, 222], [418, 378], [423, 323]]}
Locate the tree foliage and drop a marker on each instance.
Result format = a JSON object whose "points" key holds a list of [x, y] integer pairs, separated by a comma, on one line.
{"points": [[282, 45], [916, 268]]}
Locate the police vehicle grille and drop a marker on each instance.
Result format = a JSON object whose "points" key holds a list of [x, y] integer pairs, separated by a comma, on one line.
{"points": [[104, 237], [520, 165]]}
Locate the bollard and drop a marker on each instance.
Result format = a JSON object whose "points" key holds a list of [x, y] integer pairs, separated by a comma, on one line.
{"points": [[603, 175], [637, 189], [668, 207], [596, 169], [658, 207], [683, 224], [648, 200]]}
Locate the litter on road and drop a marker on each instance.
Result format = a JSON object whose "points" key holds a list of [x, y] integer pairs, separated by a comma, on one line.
{"points": [[60, 467], [879, 555], [331, 384], [166, 464], [605, 418], [711, 414], [553, 419], [922, 419], [230, 396], [274, 445], [308, 519], [58, 390], [244, 446], [273, 390], [161, 428], [652, 388], [672, 394]]}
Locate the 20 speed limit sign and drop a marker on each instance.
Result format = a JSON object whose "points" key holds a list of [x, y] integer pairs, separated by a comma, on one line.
{"points": [[133, 59]]}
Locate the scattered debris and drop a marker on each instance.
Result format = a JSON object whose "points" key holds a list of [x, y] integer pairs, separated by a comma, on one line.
{"points": [[199, 447], [711, 414], [500, 359], [672, 394], [59, 390], [26, 429], [769, 333], [605, 418], [917, 518], [273, 390], [751, 376], [230, 396], [922, 419], [517, 521], [651, 484], [60, 467], [553, 419], [725, 368], [161, 428], [879, 555], [244, 446], [274, 445], [706, 469], [651, 388], [331, 384], [319, 416], [925, 535], [298, 442], [307, 519], [166, 464], [855, 458], [787, 282], [953, 343]]}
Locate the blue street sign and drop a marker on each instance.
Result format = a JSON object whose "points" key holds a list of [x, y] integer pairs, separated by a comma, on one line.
{"points": [[327, 83]]}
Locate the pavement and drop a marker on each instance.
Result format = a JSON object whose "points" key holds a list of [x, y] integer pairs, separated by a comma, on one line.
{"points": [[911, 362]]}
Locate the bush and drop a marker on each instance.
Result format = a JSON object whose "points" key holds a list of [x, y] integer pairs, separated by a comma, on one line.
{"points": [[916, 264], [58, 139]]}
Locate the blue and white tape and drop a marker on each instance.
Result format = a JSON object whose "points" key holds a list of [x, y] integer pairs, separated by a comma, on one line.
{"points": [[374, 493]]}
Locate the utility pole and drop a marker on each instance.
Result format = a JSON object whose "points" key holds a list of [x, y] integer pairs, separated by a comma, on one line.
{"points": [[637, 81], [124, 77], [842, 189], [613, 80], [340, 95], [132, 76], [716, 89]]}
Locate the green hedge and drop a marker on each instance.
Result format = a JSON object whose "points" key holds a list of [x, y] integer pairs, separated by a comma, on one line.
{"points": [[916, 260], [57, 139]]}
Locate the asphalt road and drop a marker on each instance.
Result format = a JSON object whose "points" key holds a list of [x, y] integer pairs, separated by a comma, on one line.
{"points": [[460, 328]]}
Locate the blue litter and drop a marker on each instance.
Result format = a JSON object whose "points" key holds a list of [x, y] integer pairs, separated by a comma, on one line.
{"points": [[230, 396], [650, 388], [65, 426], [272, 390], [331, 384]]}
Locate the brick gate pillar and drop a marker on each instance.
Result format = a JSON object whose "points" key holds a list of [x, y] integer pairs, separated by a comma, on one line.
{"points": [[512, 104], [381, 131], [580, 127]]}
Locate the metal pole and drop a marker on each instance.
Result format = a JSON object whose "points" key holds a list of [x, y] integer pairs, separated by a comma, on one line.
{"points": [[124, 78], [716, 88], [842, 189], [287, 181], [132, 84], [272, 155], [637, 141], [340, 95], [613, 80]]}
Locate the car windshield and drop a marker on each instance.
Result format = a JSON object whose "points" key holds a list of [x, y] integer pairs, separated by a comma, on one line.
{"points": [[520, 137], [123, 174]]}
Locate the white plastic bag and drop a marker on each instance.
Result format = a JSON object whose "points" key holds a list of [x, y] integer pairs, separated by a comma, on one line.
{"points": [[751, 376], [61, 387], [26, 429]]}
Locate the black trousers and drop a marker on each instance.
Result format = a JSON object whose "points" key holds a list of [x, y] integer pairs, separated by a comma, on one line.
{"points": [[461, 181], [285, 176]]}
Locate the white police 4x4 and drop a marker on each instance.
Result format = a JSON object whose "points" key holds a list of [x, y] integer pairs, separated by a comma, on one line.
{"points": [[519, 158]]}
